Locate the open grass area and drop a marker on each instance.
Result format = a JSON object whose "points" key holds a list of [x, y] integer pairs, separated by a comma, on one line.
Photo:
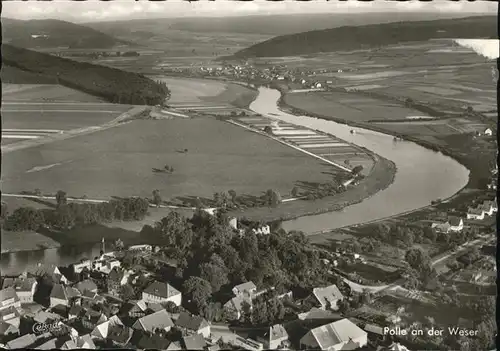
{"points": [[25, 241], [120, 162], [340, 106], [57, 116], [44, 92]]}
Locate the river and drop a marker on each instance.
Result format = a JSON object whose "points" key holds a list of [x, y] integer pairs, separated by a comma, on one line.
{"points": [[422, 174]]}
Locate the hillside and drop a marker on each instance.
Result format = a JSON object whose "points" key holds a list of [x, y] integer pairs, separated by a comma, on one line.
{"points": [[111, 84], [370, 36], [51, 33], [268, 25]]}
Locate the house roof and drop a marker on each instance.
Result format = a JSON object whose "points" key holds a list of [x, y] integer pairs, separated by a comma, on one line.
{"points": [[85, 341], [139, 306], [9, 293], [7, 328], [44, 316], [277, 332], [155, 307], [454, 221], [237, 302], [341, 331], [329, 294], [475, 211], [160, 289], [153, 341], [375, 329], [58, 292], [49, 345], [157, 320], [19, 284], [9, 310], [317, 313], [194, 342], [191, 322], [76, 310], [22, 342], [86, 285], [398, 347], [116, 274], [119, 333], [248, 286], [174, 346]]}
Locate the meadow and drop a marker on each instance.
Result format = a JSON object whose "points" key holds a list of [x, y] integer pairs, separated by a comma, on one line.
{"points": [[120, 162]]}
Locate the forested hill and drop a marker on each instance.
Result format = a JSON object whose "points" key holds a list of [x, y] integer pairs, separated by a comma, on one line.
{"points": [[52, 33], [370, 36], [111, 84]]}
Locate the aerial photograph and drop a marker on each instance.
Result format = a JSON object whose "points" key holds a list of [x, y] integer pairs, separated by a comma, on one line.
{"points": [[254, 175]]}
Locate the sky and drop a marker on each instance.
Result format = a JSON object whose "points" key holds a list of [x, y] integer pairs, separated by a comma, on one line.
{"points": [[95, 10]]}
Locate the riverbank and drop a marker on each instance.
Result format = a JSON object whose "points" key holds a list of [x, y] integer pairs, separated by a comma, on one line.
{"points": [[477, 171], [381, 176]]}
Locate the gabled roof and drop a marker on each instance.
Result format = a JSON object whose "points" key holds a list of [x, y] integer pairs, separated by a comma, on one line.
{"points": [[191, 322], [341, 331], [194, 342], [248, 286], [155, 307], [86, 285], [120, 333], [277, 332], [375, 329], [19, 284], [454, 221], [139, 306], [85, 341], [157, 320], [174, 346], [44, 316], [398, 347], [116, 274], [160, 289], [59, 292], [475, 211], [8, 328], [317, 313], [7, 294], [9, 310], [153, 341], [76, 310], [22, 342], [329, 294]]}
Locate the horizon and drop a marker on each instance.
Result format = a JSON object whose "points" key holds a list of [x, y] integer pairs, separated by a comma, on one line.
{"points": [[127, 10]]}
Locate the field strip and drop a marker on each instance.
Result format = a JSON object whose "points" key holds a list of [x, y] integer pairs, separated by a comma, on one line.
{"points": [[290, 145], [43, 110], [29, 102], [31, 130], [118, 121]]}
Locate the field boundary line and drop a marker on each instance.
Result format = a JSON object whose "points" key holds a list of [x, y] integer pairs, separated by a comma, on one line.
{"points": [[290, 145]]}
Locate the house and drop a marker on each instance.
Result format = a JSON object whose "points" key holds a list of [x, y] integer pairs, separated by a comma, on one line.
{"points": [[9, 328], [248, 344], [92, 319], [488, 132], [317, 85], [101, 331], [234, 307], [316, 313], [114, 281], [441, 227], [152, 342], [81, 342], [46, 317], [80, 266], [244, 288], [475, 213], [161, 293], [375, 331], [9, 298], [339, 335], [119, 335], [190, 324], [86, 285], [25, 288], [59, 277], [488, 207], [397, 347], [61, 295], [138, 309], [22, 342], [156, 321], [194, 342], [274, 337], [105, 265], [233, 223], [264, 230], [75, 312], [328, 297], [147, 248], [456, 224]]}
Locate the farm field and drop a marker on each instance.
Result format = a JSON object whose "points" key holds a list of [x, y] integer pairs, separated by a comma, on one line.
{"points": [[44, 92], [206, 95], [32, 120], [120, 162], [348, 106]]}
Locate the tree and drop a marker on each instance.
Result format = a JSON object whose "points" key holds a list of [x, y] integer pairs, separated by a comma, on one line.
{"points": [[61, 198], [157, 197], [356, 170], [24, 218], [4, 210], [268, 130], [127, 293], [232, 194], [198, 291], [417, 259], [295, 191], [215, 274]]}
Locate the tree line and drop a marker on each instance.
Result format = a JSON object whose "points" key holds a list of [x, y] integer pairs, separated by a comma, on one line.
{"points": [[111, 84], [67, 216]]}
